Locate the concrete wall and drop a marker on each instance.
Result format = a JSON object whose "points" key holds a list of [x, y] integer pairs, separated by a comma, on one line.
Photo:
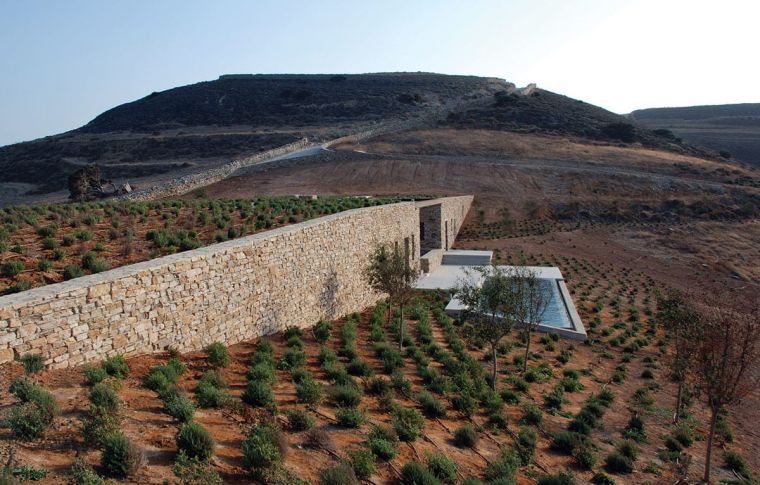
{"points": [[230, 292]]}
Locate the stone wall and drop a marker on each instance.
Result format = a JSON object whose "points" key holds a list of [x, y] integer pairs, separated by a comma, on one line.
{"points": [[229, 292]]}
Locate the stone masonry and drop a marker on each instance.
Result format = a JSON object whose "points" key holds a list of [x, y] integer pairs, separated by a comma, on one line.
{"points": [[228, 292]]}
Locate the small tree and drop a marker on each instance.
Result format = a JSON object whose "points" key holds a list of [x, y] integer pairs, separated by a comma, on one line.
{"points": [[678, 316], [494, 306], [726, 360], [390, 272], [536, 301]]}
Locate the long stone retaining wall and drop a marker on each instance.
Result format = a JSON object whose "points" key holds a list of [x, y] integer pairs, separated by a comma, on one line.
{"points": [[229, 292]]}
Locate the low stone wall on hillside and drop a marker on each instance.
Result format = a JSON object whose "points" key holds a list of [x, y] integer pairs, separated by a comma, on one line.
{"points": [[228, 292], [188, 183]]}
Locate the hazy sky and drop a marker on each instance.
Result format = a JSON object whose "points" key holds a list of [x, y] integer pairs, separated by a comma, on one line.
{"points": [[64, 62]]}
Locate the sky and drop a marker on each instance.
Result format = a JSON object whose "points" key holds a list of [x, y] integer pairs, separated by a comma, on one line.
{"points": [[64, 62]]}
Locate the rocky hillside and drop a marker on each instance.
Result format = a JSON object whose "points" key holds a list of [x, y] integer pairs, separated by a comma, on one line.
{"points": [[199, 126], [733, 129]]}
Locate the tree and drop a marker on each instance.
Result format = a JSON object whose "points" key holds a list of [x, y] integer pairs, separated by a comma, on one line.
{"points": [[535, 301], [494, 307], [727, 358], [677, 314], [390, 272]]}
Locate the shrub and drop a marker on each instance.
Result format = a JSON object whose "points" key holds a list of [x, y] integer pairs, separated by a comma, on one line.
{"points": [[12, 268], [195, 441], [432, 407], [261, 372], [442, 467], [383, 442], [340, 474], [737, 463], [27, 421], [180, 407], [83, 474], [262, 447], [684, 435], [258, 394], [647, 374], [120, 457], [322, 331], [363, 463], [292, 358], [562, 478], [606, 397], [510, 397], [628, 449], [116, 367], [218, 355], [466, 436], [415, 474], [23, 388], [309, 391], [299, 420], [195, 471], [565, 442], [525, 445], [531, 414], [213, 378], [103, 396], [584, 457], [408, 423], [97, 427], [33, 363], [600, 478], [346, 395], [504, 467], [617, 463], [95, 374], [635, 429], [72, 271], [350, 417]]}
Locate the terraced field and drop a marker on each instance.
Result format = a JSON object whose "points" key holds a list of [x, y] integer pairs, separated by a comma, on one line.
{"points": [[342, 399]]}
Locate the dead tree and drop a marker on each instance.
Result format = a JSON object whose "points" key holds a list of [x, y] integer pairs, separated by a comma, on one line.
{"points": [[677, 314], [727, 358]]}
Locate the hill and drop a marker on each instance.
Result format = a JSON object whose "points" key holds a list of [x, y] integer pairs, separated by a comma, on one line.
{"points": [[200, 126], [732, 128]]}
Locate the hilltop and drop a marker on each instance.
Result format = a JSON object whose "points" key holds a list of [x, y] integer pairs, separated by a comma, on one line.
{"points": [[194, 128], [733, 129]]}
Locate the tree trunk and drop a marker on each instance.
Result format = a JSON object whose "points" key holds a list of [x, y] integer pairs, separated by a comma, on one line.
{"points": [[679, 398], [390, 312], [527, 353], [710, 437], [493, 353], [401, 328]]}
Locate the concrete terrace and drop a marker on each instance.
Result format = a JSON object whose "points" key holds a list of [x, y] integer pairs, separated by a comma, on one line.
{"points": [[561, 316]]}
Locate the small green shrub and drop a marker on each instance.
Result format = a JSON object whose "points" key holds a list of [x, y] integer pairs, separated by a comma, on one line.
{"points": [[292, 358], [408, 423], [340, 474], [33, 363], [617, 463], [566, 441], [412, 473], [350, 417], [72, 271], [104, 397], [179, 407], [322, 331], [97, 427], [193, 471], [299, 420], [195, 441], [363, 463], [116, 367], [258, 394], [12, 268], [309, 392], [262, 447], [83, 474], [95, 375], [525, 445], [218, 355], [432, 407], [442, 467], [584, 457], [735, 462], [562, 478], [504, 467], [466, 436], [346, 395], [120, 458], [383, 442], [601, 479], [532, 415]]}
